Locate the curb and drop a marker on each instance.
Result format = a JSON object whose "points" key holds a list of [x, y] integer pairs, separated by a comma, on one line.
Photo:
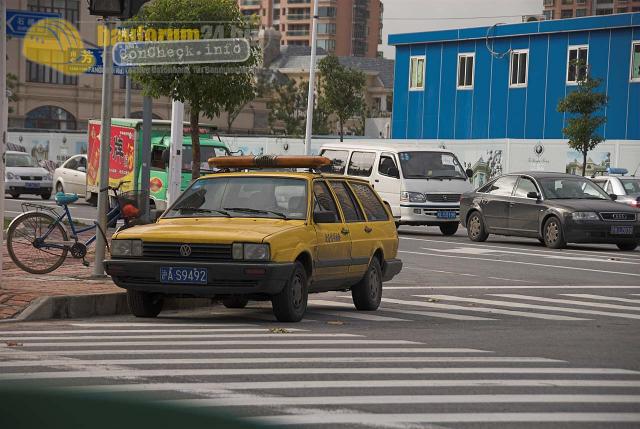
{"points": [[85, 306]]}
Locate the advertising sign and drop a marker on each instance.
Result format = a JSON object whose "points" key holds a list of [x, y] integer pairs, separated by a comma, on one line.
{"points": [[121, 156]]}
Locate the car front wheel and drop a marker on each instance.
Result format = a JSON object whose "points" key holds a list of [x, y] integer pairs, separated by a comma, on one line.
{"points": [[143, 304], [291, 303], [627, 247], [476, 229], [553, 236], [235, 301], [367, 293], [449, 228]]}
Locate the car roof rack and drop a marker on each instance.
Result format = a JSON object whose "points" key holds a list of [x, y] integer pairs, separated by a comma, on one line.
{"points": [[313, 163]]}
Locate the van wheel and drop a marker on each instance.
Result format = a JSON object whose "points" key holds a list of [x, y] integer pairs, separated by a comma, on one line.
{"points": [[449, 228], [235, 301], [476, 229], [291, 303], [627, 247], [367, 293], [144, 304]]}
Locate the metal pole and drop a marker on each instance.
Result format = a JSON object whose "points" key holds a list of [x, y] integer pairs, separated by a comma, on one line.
{"points": [[127, 97], [4, 109], [145, 173], [175, 160], [105, 147], [312, 79]]}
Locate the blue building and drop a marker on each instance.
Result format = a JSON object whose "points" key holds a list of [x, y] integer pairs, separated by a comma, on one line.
{"points": [[503, 83]]}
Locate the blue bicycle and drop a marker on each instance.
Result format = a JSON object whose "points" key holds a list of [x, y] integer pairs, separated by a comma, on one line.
{"points": [[38, 241]]}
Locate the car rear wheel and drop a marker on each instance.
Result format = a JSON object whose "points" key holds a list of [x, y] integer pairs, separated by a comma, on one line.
{"points": [[449, 228], [291, 303], [367, 293], [14, 195], [92, 200], [475, 228], [45, 196], [235, 301], [627, 247], [143, 304], [553, 236]]}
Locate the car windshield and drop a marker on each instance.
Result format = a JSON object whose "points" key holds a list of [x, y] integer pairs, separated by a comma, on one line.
{"points": [[264, 197], [631, 186], [571, 189], [20, 160], [206, 152], [430, 165]]}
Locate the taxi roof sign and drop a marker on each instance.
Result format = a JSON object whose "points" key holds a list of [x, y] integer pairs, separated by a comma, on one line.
{"points": [[616, 171], [269, 161]]}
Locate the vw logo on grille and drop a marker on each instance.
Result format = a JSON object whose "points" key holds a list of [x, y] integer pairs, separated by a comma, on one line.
{"points": [[445, 198], [185, 250]]}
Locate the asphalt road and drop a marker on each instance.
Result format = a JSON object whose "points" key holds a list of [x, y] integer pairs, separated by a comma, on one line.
{"points": [[503, 334]]}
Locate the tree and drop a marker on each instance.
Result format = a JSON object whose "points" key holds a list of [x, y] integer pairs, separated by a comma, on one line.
{"points": [[208, 94], [343, 89], [289, 106], [12, 86], [582, 104]]}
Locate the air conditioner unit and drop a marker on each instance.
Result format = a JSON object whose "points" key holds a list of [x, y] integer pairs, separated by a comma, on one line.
{"points": [[533, 18]]}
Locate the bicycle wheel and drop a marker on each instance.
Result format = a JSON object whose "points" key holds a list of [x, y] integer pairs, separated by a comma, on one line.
{"points": [[23, 237]]}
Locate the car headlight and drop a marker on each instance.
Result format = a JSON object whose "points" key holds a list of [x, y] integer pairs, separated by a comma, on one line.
{"points": [[49, 176], [126, 248], [11, 176], [251, 251], [414, 197], [585, 216]]}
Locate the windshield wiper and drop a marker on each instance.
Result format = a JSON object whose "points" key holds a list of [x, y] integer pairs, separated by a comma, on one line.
{"points": [[199, 210], [256, 211]]}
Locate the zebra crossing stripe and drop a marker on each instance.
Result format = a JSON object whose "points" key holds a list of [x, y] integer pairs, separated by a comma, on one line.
{"points": [[531, 306], [146, 331], [602, 297], [181, 336], [216, 343], [569, 301], [479, 309], [158, 324]]}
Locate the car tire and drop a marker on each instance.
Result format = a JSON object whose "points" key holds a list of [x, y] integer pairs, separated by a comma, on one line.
{"points": [[235, 301], [367, 293], [449, 228], [541, 240], [627, 247], [476, 230], [45, 196], [59, 187], [14, 195], [144, 304], [291, 303], [92, 200], [552, 234]]}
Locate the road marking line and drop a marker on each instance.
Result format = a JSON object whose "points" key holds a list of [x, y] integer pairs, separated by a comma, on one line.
{"points": [[149, 331], [352, 315], [219, 372], [440, 271], [523, 263], [512, 287], [531, 306], [216, 343], [346, 384], [567, 301], [159, 324], [279, 359], [606, 298], [511, 280], [376, 419], [480, 309], [258, 401], [179, 337]]}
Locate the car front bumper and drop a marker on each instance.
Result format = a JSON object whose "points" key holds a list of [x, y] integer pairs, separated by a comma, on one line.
{"points": [[423, 214], [31, 187], [223, 277], [599, 232]]}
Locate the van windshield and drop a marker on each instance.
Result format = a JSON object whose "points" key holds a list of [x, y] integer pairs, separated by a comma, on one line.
{"points": [[430, 165], [206, 152]]}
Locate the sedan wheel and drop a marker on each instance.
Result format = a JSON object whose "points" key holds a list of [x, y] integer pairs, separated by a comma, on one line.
{"points": [[291, 303], [475, 228], [59, 187], [627, 247], [553, 236], [367, 293]]}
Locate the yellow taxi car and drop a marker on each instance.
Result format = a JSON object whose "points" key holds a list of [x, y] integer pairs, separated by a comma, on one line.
{"points": [[261, 235]]}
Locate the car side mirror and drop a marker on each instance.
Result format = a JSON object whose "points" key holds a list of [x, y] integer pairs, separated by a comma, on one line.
{"points": [[82, 169], [469, 173], [324, 217], [154, 215], [533, 195], [613, 196], [394, 172]]}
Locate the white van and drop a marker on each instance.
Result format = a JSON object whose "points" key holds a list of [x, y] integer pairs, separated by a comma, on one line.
{"points": [[422, 186]]}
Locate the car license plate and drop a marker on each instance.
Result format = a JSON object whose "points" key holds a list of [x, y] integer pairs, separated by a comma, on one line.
{"points": [[32, 185], [184, 275], [446, 214], [622, 230]]}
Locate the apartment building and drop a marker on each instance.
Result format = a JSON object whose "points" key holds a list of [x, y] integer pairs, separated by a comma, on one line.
{"points": [[345, 27], [560, 9]]}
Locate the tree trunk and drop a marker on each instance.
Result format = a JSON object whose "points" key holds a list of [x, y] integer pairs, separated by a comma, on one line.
{"points": [[584, 162], [194, 122], [341, 131]]}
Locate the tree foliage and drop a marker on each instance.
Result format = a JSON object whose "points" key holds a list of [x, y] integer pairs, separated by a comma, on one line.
{"points": [[583, 104], [12, 89], [288, 106], [208, 94]]}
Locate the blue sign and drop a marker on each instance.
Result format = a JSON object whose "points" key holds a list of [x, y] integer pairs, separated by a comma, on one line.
{"points": [[19, 21], [98, 67]]}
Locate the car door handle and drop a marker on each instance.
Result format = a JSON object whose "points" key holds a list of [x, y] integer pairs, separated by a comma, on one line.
{"points": [[368, 229], [344, 231], [511, 204], [377, 181]]}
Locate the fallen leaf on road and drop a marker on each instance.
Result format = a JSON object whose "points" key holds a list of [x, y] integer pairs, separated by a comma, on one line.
{"points": [[335, 322], [278, 331], [433, 300], [13, 344]]}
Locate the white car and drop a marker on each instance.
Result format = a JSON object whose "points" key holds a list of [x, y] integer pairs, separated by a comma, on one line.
{"points": [[23, 175], [71, 177]]}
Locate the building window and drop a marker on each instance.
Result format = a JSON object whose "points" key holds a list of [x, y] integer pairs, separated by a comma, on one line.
{"points": [[581, 1], [635, 62], [519, 68], [567, 2], [548, 14], [465, 71], [549, 3], [50, 118], [566, 13], [623, 9], [416, 73], [328, 45], [581, 12], [607, 11], [577, 63]]}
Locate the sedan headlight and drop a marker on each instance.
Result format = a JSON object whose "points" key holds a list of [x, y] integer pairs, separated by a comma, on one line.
{"points": [[413, 197], [126, 248], [251, 251], [11, 176], [49, 176], [578, 216]]}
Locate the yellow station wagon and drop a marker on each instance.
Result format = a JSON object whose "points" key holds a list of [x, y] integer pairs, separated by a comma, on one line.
{"points": [[261, 235]]}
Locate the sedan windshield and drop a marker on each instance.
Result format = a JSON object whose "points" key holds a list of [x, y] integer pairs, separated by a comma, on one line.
{"points": [[430, 165], [264, 197], [20, 160], [571, 189], [631, 186]]}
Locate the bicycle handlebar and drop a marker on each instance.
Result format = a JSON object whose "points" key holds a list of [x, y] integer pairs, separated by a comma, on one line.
{"points": [[117, 188]]}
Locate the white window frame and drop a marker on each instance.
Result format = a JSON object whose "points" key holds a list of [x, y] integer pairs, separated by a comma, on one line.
{"points": [[473, 71], [569, 49], [634, 43], [526, 73], [424, 72]]}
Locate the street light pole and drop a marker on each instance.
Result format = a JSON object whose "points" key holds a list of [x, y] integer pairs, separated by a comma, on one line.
{"points": [[4, 109], [312, 79]]}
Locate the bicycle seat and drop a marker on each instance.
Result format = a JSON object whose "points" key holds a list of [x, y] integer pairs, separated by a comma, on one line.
{"points": [[63, 199]]}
